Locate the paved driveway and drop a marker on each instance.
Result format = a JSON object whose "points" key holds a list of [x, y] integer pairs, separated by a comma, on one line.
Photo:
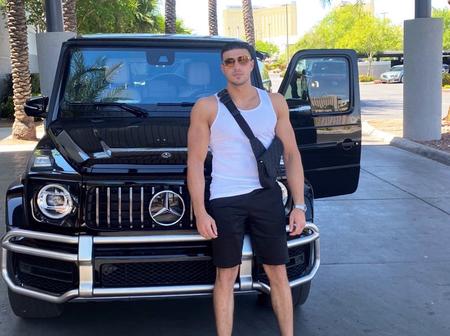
{"points": [[385, 266]]}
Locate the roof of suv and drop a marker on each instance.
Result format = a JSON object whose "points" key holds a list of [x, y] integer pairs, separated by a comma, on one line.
{"points": [[144, 37]]}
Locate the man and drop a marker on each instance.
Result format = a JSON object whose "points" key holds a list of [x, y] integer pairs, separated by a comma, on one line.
{"points": [[237, 198]]}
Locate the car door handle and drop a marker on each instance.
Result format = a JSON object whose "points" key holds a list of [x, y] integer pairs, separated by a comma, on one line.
{"points": [[348, 144]]}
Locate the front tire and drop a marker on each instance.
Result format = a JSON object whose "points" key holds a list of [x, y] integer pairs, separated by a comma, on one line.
{"points": [[30, 308], [299, 296]]}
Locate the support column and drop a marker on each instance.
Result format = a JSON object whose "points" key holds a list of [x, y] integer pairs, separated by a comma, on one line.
{"points": [[422, 92], [48, 49], [53, 15]]}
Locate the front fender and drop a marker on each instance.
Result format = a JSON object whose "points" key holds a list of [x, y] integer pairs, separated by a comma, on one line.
{"points": [[309, 200], [14, 207]]}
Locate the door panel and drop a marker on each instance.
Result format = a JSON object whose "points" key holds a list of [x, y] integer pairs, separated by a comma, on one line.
{"points": [[321, 88]]}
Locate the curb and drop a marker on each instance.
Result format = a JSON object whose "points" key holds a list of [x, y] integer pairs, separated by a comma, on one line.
{"points": [[408, 145]]}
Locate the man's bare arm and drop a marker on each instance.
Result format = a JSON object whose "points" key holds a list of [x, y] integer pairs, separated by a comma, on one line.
{"points": [[198, 140], [292, 161]]}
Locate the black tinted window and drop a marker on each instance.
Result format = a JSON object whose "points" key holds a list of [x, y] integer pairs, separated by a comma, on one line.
{"points": [[321, 83]]}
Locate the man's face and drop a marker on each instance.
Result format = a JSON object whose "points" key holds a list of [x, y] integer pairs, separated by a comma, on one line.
{"points": [[237, 66]]}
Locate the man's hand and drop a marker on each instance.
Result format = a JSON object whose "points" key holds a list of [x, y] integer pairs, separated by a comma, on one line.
{"points": [[297, 222], [206, 226]]}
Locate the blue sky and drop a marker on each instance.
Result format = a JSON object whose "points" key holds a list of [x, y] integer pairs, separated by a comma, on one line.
{"points": [[195, 12]]}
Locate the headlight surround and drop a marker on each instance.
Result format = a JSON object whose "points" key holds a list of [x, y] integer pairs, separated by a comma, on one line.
{"points": [[54, 201]]}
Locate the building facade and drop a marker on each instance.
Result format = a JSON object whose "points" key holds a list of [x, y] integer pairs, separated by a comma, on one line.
{"points": [[275, 24]]}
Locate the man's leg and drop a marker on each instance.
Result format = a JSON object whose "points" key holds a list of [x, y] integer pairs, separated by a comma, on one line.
{"points": [[281, 297], [224, 299]]}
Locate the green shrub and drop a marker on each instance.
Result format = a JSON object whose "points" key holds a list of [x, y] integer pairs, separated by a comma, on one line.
{"points": [[35, 84], [6, 83], [365, 78], [445, 79], [6, 99], [7, 108]]}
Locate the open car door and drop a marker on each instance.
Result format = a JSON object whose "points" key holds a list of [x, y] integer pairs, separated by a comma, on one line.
{"points": [[321, 88]]}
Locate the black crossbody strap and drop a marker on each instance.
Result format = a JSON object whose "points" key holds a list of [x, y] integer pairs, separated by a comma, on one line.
{"points": [[228, 102]]}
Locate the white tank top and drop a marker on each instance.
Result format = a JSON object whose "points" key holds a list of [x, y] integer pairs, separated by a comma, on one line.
{"points": [[234, 170]]}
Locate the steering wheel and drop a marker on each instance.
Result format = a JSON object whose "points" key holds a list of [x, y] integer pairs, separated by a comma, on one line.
{"points": [[169, 76]]}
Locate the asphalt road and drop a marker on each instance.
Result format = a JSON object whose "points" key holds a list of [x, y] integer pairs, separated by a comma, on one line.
{"points": [[385, 266], [380, 101], [385, 101]]}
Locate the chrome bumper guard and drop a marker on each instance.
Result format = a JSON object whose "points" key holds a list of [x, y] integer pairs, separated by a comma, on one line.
{"points": [[84, 261]]}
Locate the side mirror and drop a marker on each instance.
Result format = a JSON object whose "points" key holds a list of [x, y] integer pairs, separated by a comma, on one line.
{"points": [[36, 107]]}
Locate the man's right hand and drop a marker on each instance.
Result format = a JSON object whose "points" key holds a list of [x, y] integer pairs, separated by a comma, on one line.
{"points": [[206, 226]]}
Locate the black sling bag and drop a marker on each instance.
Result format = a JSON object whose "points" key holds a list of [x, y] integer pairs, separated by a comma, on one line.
{"points": [[267, 160]]}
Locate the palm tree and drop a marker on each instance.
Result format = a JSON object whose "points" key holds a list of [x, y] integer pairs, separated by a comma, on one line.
{"points": [[70, 15], [23, 127], [212, 17], [171, 16], [248, 21]]}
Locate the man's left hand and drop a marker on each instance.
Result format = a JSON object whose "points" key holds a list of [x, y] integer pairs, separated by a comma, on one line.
{"points": [[297, 222]]}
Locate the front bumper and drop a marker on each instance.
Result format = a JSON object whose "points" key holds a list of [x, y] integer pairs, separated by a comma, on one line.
{"points": [[390, 80], [84, 262]]}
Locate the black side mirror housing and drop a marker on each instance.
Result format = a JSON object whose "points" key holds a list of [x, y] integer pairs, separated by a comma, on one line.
{"points": [[36, 107]]}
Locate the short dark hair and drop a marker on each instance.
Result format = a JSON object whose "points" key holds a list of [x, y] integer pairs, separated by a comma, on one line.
{"points": [[237, 45]]}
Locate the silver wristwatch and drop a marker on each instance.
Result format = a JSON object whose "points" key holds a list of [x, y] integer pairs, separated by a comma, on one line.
{"points": [[301, 207]]}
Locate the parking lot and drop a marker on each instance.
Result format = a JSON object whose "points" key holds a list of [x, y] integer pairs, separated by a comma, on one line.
{"points": [[381, 101], [385, 260], [385, 265]]}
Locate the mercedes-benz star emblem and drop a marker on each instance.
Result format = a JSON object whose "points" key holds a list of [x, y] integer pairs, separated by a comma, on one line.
{"points": [[166, 208], [166, 155]]}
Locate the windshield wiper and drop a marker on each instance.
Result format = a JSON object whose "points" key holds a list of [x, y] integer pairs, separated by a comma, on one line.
{"points": [[176, 104], [137, 111]]}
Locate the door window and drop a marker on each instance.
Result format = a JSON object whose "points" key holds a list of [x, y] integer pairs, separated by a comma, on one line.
{"points": [[322, 83]]}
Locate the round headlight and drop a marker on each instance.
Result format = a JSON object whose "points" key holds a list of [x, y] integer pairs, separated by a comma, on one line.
{"points": [[284, 193], [54, 201]]}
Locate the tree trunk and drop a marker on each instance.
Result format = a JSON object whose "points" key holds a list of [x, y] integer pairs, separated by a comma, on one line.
{"points": [[369, 68], [212, 17], [248, 21], [171, 16], [23, 127], [70, 15]]}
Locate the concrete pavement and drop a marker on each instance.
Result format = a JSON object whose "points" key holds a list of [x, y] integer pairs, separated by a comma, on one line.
{"points": [[385, 265], [5, 132]]}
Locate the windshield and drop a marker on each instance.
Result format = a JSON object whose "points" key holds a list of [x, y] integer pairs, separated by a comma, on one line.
{"points": [[144, 77], [397, 68]]}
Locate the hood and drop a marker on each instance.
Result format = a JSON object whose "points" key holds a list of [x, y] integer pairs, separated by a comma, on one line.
{"points": [[123, 143], [392, 73]]}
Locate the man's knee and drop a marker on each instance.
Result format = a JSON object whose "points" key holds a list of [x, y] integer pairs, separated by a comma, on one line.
{"points": [[276, 273], [227, 276]]}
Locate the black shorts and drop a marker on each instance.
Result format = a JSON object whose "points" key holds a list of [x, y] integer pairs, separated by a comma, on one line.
{"points": [[262, 213]]}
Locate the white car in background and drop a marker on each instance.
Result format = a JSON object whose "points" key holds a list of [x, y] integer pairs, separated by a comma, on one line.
{"points": [[394, 75]]}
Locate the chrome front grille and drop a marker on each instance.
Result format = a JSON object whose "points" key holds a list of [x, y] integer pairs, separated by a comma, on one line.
{"points": [[127, 207]]}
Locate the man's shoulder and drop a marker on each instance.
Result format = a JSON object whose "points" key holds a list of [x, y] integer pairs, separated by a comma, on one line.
{"points": [[206, 101], [278, 103], [275, 96], [205, 108]]}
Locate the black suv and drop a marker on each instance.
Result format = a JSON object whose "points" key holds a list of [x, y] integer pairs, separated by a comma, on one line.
{"points": [[102, 211]]}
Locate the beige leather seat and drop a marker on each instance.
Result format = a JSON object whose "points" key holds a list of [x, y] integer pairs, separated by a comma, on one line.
{"points": [[198, 80], [120, 88]]}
